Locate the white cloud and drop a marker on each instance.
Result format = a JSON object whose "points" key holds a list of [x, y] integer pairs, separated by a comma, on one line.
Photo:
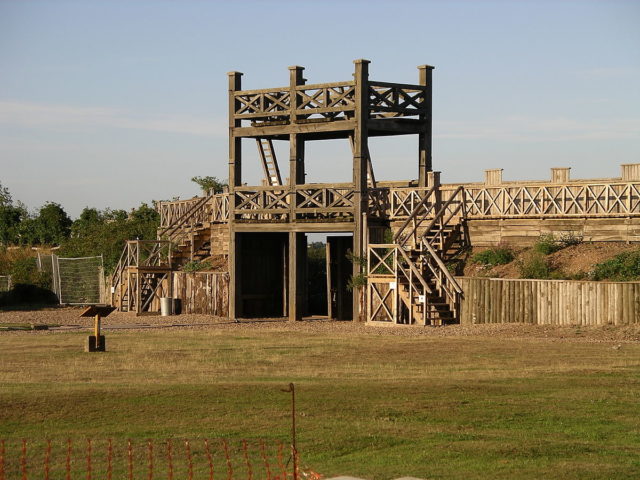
{"points": [[529, 129], [67, 117]]}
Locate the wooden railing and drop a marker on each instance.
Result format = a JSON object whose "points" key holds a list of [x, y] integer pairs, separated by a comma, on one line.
{"points": [[535, 200], [396, 100], [261, 203], [445, 284], [330, 100], [318, 201], [389, 268], [421, 211], [324, 201], [545, 200], [408, 274], [312, 201], [436, 231], [215, 210], [172, 211], [327, 100]]}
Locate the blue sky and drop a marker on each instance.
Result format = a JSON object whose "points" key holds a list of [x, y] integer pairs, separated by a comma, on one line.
{"points": [[112, 103]]}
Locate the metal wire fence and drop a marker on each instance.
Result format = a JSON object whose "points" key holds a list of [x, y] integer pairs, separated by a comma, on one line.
{"points": [[75, 281], [80, 280], [171, 459]]}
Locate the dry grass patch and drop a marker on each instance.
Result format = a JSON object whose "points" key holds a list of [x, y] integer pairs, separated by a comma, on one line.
{"points": [[372, 403]]}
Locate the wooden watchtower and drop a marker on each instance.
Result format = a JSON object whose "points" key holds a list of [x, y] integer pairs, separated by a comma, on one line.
{"points": [[353, 110]]}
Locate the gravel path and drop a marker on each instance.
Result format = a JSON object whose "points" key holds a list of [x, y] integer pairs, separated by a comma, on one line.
{"points": [[65, 319]]}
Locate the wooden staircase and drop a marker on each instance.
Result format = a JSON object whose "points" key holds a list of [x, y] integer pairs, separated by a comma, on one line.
{"points": [[137, 279], [190, 234], [426, 291]]}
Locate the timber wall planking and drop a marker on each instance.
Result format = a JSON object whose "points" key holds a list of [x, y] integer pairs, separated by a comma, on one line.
{"points": [[549, 302], [202, 292], [524, 231]]}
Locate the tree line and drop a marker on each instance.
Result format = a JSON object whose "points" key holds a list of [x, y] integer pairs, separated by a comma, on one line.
{"points": [[94, 232]]}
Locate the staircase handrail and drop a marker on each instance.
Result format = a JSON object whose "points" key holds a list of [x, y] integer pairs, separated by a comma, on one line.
{"points": [[443, 268], [414, 269], [443, 210], [414, 214], [117, 273], [181, 221]]}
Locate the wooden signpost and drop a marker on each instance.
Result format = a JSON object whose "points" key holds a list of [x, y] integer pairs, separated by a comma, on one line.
{"points": [[96, 342]]}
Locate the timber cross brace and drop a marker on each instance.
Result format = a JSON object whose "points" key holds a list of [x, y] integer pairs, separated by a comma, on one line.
{"points": [[389, 242]]}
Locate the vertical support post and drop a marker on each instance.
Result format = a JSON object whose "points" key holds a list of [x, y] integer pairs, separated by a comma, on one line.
{"points": [[296, 142], [328, 263], [97, 330], [433, 180], [296, 177], [294, 448], [235, 179], [360, 147], [425, 136], [294, 307]]}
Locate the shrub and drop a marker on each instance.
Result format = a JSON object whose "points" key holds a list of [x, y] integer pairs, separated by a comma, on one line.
{"points": [[546, 245], [210, 185], [567, 239], [623, 267], [535, 265], [493, 256], [24, 271], [357, 281], [196, 266]]}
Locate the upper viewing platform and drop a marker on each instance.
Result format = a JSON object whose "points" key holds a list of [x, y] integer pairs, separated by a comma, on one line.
{"points": [[331, 110]]}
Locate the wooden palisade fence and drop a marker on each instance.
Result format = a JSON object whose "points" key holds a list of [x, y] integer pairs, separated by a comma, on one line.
{"points": [[549, 302]]}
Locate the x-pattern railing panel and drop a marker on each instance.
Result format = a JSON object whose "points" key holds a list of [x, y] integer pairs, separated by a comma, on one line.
{"points": [[405, 200], [330, 198], [554, 200], [381, 260], [218, 208], [262, 204], [396, 100], [379, 303], [378, 202], [257, 104], [172, 211], [326, 100]]}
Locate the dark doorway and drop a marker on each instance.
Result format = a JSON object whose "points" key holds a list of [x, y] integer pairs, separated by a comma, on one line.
{"points": [[317, 279], [339, 271], [262, 280]]}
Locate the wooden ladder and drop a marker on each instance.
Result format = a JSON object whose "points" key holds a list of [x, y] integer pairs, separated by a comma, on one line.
{"points": [[269, 162], [371, 179]]}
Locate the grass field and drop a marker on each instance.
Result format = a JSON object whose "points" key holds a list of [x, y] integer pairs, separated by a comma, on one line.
{"points": [[371, 405]]}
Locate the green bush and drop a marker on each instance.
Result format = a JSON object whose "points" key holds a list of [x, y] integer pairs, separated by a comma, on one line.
{"points": [[568, 239], [493, 256], [623, 267], [547, 245], [535, 265], [196, 266], [25, 271]]}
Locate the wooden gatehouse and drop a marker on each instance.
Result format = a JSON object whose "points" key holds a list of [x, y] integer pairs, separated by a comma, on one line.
{"points": [[391, 240]]}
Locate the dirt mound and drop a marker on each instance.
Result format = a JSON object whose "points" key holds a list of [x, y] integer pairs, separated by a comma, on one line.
{"points": [[574, 261]]}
